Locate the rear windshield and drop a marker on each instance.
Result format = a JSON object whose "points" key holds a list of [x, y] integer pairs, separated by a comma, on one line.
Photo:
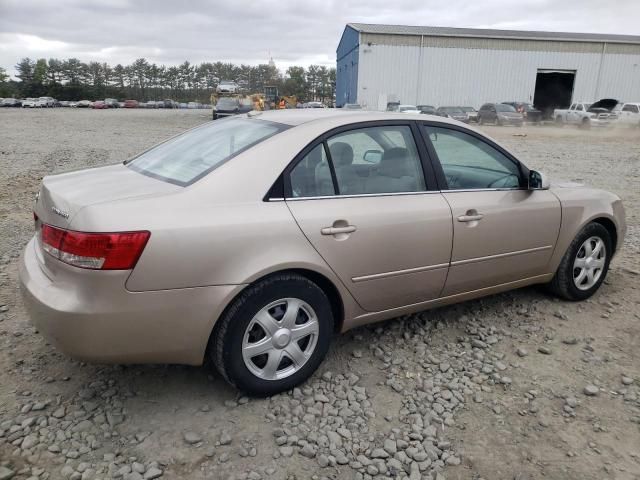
{"points": [[504, 108], [190, 156]]}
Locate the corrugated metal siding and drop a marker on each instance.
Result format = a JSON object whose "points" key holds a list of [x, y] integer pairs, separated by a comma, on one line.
{"points": [[472, 76], [387, 70], [620, 77], [347, 67]]}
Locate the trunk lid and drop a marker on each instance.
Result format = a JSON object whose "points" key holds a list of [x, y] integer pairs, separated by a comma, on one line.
{"points": [[62, 196]]}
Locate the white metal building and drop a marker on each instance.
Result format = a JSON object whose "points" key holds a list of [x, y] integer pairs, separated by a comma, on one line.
{"points": [[440, 66]]}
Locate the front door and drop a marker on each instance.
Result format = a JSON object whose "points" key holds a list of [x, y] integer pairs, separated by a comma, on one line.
{"points": [[502, 231], [361, 199]]}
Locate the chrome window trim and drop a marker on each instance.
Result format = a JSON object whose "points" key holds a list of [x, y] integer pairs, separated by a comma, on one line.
{"points": [[360, 195]]}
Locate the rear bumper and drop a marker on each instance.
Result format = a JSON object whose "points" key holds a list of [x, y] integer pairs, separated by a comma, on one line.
{"points": [[96, 319]]}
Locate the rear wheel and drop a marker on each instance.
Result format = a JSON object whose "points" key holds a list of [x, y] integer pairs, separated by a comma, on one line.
{"points": [[559, 121], [586, 124], [274, 336], [584, 265]]}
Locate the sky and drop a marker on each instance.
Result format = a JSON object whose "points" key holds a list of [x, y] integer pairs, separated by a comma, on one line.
{"points": [[293, 32]]}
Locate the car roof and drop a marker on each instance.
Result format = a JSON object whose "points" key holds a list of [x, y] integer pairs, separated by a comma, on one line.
{"points": [[295, 117]]}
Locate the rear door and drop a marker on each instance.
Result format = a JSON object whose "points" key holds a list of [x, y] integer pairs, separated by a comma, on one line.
{"points": [[361, 197], [502, 231]]}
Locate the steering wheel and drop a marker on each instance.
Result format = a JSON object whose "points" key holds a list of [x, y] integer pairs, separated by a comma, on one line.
{"points": [[503, 180]]}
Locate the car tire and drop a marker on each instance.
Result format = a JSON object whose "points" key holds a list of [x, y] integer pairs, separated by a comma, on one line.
{"points": [[585, 124], [559, 121], [273, 302], [498, 122], [567, 282], [480, 121]]}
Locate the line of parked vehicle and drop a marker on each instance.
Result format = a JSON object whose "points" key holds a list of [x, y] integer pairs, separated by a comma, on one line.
{"points": [[583, 114], [50, 102], [602, 113], [505, 113]]}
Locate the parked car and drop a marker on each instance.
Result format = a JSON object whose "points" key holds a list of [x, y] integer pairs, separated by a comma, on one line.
{"points": [[46, 102], [100, 105], [11, 102], [587, 114], [628, 114], [408, 109], [73, 104], [111, 103], [29, 102], [183, 105], [170, 104], [227, 86], [472, 113], [346, 106], [393, 106], [455, 113], [131, 104], [427, 109], [500, 114], [193, 105], [269, 253], [530, 114], [64, 103], [228, 106], [84, 104]]}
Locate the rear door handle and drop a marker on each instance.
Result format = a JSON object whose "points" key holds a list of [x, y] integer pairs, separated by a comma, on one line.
{"points": [[470, 218], [337, 230]]}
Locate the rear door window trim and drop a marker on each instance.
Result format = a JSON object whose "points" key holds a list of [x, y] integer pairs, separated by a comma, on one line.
{"points": [[425, 162]]}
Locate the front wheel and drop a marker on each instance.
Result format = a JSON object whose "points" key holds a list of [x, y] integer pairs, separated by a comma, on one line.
{"points": [[584, 265], [274, 335]]}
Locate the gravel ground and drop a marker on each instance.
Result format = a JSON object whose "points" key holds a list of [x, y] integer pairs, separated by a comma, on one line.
{"points": [[514, 386]]}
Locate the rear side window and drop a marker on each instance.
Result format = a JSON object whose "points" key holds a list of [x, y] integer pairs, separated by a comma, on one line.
{"points": [[190, 156], [365, 161], [311, 177]]}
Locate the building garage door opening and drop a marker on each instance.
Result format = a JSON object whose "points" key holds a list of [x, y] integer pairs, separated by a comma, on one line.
{"points": [[554, 89]]}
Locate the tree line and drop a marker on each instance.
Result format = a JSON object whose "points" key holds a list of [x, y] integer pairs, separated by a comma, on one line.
{"points": [[71, 79]]}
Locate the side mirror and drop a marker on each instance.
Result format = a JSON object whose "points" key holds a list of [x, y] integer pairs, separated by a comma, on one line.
{"points": [[372, 156], [538, 181]]}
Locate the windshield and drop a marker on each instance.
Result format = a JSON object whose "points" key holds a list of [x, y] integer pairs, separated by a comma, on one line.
{"points": [[468, 109], [226, 103], [227, 82], [451, 110], [190, 156], [404, 108], [504, 108]]}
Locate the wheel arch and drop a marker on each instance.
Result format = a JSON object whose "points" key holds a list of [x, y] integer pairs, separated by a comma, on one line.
{"points": [[610, 226], [324, 283]]}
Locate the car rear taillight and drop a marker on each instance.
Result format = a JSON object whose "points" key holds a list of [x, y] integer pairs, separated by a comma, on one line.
{"points": [[96, 251]]}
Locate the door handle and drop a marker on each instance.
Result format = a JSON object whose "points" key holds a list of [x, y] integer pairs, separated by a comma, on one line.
{"points": [[470, 218], [338, 230]]}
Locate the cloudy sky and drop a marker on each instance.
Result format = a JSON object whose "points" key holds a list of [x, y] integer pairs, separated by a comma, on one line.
{"points": [[249, 31]]}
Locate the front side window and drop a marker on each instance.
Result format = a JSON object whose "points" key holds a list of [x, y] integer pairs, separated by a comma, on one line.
{"points": [[469, 163], [630, 108], [188, 157]]}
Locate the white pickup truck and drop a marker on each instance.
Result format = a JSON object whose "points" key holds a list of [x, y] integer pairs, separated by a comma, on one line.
{"points": [[628, 114], [587, 114]]}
